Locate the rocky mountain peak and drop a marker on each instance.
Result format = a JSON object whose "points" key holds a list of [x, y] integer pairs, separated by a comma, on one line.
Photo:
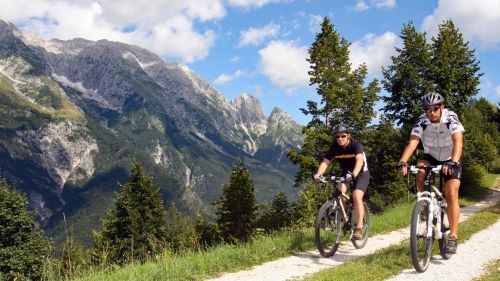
{"points": [[278, 116], [250, 110]]}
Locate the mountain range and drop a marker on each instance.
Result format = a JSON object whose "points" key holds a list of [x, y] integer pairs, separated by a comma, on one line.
{"points": [[74, 114]]}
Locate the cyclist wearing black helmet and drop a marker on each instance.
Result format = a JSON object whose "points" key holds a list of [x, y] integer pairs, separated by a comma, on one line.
{"points": [[349, 152], [441, 134]]}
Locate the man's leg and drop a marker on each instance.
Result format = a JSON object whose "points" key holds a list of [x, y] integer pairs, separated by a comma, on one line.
{"points": [[451, 192], [451, 188], [358, 206]]}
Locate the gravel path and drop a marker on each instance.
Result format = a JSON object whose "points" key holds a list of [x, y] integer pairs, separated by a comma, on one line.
{"points": [[303, 264], [482, 247]]}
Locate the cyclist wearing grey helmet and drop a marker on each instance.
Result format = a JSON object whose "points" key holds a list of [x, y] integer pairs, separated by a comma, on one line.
{"points": [[441, 134], [349, 152]]}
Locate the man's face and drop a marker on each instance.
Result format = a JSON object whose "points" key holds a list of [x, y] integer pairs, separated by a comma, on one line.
{"points": [[343, 138], [433, 112]]}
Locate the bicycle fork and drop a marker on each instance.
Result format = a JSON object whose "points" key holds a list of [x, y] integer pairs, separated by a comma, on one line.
{"points": [[430, 198], [433, 211]]}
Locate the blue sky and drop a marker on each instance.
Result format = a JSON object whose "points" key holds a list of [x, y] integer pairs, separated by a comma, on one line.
{"points": [[260, 46]]}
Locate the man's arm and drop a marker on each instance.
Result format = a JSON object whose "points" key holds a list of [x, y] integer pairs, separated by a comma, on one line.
{"points": [[323, 166], [358, 165], [410, 148], [458, 144], [456, 153]]}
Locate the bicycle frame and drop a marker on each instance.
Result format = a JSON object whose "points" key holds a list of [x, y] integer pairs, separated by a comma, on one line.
{"points": [[432, 195], [337, 198]]}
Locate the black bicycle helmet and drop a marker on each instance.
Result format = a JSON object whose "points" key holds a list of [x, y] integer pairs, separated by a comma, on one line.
{"points": [[432, 98], [341, 128]]}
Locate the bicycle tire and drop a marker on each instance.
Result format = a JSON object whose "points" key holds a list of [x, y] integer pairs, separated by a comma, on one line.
{"points": [[444, 238], [358, 244], [420, 246], [328, 229]]}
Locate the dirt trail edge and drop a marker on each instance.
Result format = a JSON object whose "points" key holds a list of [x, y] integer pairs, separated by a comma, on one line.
{"points": [[306, 263]]}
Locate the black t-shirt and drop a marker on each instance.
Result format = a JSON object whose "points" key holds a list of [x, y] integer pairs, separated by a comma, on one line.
{"points": [[346, 155]]}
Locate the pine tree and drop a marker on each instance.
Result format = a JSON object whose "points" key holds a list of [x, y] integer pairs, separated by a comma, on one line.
{"points": [[133, 229], [278, 214], [454, 67], [407, 79], [384, 144], [180, 230], [206, 231], [23, 246], [73, 258], [237, 208], [343, 97]]}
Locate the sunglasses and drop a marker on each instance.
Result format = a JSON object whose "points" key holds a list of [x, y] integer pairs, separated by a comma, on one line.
{"points": [[432, 109], [341, 137]]}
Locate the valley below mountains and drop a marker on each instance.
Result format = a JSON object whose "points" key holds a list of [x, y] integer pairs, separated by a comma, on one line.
{"points": [[74, 115]]}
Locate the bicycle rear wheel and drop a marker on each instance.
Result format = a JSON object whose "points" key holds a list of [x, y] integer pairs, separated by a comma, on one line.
{"points": [[328, 229], [358, 244], [444, 239], [420, 246]]}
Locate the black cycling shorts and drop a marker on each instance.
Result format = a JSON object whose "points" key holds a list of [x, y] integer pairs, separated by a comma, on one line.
{"points": [[362, 181], [457, 173]]}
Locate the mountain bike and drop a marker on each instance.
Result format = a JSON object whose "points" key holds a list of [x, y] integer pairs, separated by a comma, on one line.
{"points": [[429, 219], [335, 219]]}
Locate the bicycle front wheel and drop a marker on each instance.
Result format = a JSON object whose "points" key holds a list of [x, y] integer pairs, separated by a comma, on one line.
{"points": [[420, 245], [358, 244], [328, 229]]}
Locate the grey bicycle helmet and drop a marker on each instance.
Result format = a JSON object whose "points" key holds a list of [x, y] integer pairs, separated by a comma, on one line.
{"points": [[432, 98], [342, 128]]}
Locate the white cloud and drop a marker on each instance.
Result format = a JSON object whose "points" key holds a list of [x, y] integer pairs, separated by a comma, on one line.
{"points": [[475, 19], [315, 22], [247, 4], [255, 36], [497, 91], [223, 78], [385, 4], [361, 5], [373, 50], [285, 64], [165, 27]]}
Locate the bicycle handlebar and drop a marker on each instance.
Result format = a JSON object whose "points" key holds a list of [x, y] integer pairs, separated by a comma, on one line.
{"points": [[332, 178], [435, 169]]}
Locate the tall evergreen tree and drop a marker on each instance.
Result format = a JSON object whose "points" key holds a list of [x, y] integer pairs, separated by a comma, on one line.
{"points": [[237, 208], [133, 229], [454, 68], [23, 246], [343, 97], [407, 78], [180, 230], [206, 231], [278, 214], [383, 143]]}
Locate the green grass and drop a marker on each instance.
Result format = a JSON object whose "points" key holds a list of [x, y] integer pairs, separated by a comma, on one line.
{"points": [[490, 179], [199, 265], [475, 194], [390, 261], [492, 272]]}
